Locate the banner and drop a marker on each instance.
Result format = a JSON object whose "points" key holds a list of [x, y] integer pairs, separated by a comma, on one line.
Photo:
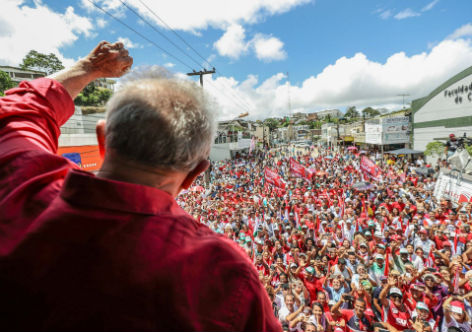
{"points": [[300, 170], [273, 178], [297, 168], [453, 187], [370, 168]]}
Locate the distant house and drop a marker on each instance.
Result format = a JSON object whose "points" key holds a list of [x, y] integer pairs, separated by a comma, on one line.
{"points": [[335, 113], [105, 83], [17, 74]]}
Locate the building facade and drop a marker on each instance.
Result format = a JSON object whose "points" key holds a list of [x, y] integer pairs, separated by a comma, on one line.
{"points": [[17, 74], [446, 110]]}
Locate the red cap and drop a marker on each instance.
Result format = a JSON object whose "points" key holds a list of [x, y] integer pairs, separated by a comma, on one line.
{"points": [[452, 135]]}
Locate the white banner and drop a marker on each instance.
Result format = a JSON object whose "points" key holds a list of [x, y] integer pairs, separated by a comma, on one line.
{"points": [[457, 189]]}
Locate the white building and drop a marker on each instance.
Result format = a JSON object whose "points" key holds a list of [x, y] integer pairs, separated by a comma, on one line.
{"points": [[17, 74], [447, 109], [331, 113]]}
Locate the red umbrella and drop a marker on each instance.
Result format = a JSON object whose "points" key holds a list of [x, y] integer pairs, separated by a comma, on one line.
{"points": [[352, 148]]}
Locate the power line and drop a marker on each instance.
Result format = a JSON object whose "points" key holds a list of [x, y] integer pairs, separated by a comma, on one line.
{"points": [[193, 49], [175, 32], [152, 42], [163, 35], [140, 34]]}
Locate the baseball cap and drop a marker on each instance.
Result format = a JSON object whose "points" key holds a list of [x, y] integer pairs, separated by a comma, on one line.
{"points": [[422, 306], [418, 286], [310, 270], [457, 307], [396, 291], [293, 265], [381, 246], [379, 256], [403, 251], [378, 234], [363, 244]]}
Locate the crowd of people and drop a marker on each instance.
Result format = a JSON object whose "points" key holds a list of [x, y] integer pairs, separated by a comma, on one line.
{"points": [[338, 253]]}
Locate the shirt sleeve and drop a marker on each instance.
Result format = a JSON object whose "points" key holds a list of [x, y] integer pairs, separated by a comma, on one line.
{"points": [[32, 114]]}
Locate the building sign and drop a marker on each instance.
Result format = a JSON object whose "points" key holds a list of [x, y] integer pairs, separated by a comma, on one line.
{"points": [[452, 102], [387, 130], [373, 132], [461, 93]]}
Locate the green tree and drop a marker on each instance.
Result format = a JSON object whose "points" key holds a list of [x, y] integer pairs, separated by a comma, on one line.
{"points": [[48, 63], [352, 112], [434, 148], [271, 123], [370, 112], [5, 82], [92, 95]]}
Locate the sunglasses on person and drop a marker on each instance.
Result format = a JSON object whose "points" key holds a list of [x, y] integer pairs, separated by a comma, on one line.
{"points": [[395, 296]]}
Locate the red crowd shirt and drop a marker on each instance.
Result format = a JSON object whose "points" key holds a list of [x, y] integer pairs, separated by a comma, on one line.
{"points": [[86, 253], [398, 319]]}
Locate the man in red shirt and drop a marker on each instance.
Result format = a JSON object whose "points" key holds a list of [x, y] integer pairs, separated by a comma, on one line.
{"points": [[114, 251]]}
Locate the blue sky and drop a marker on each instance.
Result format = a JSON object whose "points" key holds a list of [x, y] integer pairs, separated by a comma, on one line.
{"points": [[338, 53]]}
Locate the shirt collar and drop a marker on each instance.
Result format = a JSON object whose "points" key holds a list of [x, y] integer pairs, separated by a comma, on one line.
{"points": [[86, 189]]}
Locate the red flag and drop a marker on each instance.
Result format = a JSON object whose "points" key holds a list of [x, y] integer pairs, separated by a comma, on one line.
{"points": [[364, 209], [387, 262]]}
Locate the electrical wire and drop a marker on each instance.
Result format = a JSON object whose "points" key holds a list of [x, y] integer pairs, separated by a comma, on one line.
{"points": [[160, 48], [163, 35], [241, 100], [140, 34]]}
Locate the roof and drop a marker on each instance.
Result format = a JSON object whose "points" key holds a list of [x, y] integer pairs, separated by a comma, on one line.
{"points": [[404, 151], [27, 70]]}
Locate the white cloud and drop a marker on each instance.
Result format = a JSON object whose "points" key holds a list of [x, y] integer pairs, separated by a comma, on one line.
{"points": [[101, 23], [268, 48], [429, 6], [386, 14], [128, 43], [407, 13], [37, 27], [354, 80], [232, 44], [169, 65], [463, 31], [202, 14]]}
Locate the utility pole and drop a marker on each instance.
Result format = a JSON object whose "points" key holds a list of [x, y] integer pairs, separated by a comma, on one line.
{"points": [[403, 95], [201, 73]]}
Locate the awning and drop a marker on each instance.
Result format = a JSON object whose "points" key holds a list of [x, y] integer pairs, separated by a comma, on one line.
{"points": [[404, 151]]}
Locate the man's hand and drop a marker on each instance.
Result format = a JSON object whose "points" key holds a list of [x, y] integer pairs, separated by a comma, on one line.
{"points": [[109, 60], [106, 60]]}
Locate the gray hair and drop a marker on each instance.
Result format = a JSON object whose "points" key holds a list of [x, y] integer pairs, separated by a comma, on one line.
{"points": [[160, 122]]}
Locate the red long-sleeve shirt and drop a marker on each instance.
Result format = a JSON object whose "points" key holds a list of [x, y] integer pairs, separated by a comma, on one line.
{"points": [[78, 252]]}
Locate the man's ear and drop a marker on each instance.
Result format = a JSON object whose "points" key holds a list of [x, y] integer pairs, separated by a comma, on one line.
{"points": [[100, 130], [192, 175]]}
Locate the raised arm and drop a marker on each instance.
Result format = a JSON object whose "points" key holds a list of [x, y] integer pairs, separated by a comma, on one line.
{"points": [[106, 60]]}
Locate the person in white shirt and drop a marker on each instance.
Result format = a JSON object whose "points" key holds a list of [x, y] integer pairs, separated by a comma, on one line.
{"points": [[423, 242]]}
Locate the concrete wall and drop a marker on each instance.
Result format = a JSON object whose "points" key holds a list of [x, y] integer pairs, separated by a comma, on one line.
{"points": [[220, 152]]}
